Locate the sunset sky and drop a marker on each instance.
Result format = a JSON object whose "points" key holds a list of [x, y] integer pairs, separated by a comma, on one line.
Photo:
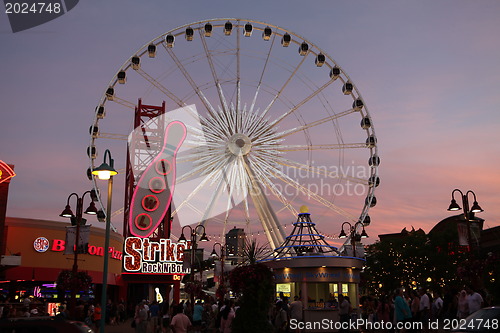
{"points": [[429, 71]]}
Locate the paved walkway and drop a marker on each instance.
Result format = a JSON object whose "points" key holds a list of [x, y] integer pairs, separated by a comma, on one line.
{"points": [[121, 328]]}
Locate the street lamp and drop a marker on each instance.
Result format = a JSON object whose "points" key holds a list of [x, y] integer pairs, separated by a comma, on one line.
{"points": [[355, 236], [221, 257], [106, 172], [77, 219], [468, 212], [194, 245]]}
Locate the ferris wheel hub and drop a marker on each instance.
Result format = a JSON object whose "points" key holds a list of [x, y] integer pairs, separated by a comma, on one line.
{"points": [[239, 144]]}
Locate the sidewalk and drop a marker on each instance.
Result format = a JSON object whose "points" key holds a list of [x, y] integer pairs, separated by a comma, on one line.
{"points": [[124, 328], [121, 328]]}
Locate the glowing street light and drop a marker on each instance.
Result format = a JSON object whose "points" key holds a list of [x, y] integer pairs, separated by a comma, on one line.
{"points": [[106, 172]]}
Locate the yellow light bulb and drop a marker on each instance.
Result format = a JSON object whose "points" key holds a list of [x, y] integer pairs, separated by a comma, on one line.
{"points": [[304, 209]]}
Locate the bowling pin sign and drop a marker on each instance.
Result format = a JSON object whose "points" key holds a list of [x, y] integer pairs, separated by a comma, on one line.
{"points": [[153, 194]]}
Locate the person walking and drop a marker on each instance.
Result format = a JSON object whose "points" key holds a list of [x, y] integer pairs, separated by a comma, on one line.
{"points": [[344, 312], [141, 318], [402, 311], [474, 300], [96, 317], [197, 316], [154, 312], [383, 310], [295, 309], [280, 318], [227, 316], [165, 317], [180, 322], [463, 305]]}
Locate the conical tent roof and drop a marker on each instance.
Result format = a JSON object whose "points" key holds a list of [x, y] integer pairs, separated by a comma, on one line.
{"points": [[304, 240]]}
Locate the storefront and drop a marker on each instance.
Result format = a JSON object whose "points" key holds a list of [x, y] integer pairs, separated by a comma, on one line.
{"points": [[318, 281], [306, 266], [39, 248]]}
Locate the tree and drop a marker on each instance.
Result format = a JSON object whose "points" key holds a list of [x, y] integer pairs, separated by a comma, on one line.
{"points": [[253, 252], [254, 284]]}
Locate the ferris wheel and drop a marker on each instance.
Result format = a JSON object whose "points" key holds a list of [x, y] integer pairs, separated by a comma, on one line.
{"points": [[271, 123]]}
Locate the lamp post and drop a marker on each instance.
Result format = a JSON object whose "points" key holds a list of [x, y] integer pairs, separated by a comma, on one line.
{"points": [[106, 172], [68, 213], [221, 257], [468, 211], [355, 237], [194, 245]]}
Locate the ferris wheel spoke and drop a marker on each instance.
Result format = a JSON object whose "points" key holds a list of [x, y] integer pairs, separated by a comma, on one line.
{"points": [[280, 91], [264, 179], [193, 193], [215, 125], [238, 79], [284, 148], [346, 174], [215, 195], [208, 55], [113, 136], [190, 80], [262, 73], [313, 124], [270, 223], [301, 103], [306, 191], [160, 87], [124, 102]]}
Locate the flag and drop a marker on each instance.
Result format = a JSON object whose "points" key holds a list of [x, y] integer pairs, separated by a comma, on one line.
{"points": [[83, 242]]}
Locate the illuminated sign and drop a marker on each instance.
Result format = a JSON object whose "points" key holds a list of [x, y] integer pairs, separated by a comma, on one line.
{"points": [[53, 308], [153, 192], [6, 172], [37, 292], [141, 255], [42, 244]]}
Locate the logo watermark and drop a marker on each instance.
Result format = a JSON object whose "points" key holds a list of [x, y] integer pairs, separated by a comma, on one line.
{"points": [[26, 14]]}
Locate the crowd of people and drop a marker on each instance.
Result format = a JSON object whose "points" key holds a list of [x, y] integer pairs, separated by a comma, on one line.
{"points": [[89, 312], [422, 306], [202, 316], [213, 316]]}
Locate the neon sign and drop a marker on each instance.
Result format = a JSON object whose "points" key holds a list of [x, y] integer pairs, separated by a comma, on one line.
{"points": [[141, 255], [6, 172], [42, 244], [153, 192]]}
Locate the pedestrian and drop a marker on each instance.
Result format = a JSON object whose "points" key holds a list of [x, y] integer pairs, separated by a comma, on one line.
{"points": [[180, 322], [474, 300], [424, 308], [402, 310], [415, 305], [197, 316], [141, 318], [96, 316], [154, 311], [120, 308], [383, 310], [344, 312], [463, 305], [437, 306], [280, 318], [295, 309], [165, 317], [227, 316]]}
